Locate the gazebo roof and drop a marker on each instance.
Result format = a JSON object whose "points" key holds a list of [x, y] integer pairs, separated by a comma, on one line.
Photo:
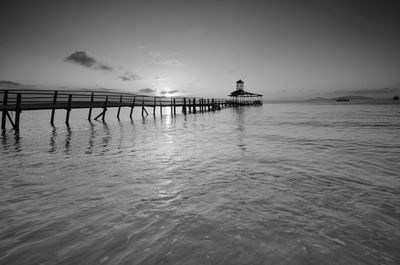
{"points": [[243, 93], [240, 82]]}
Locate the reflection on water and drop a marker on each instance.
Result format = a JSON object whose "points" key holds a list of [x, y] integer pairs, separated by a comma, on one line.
{"points": [[313, 185], [53, 137], [68, 138]]}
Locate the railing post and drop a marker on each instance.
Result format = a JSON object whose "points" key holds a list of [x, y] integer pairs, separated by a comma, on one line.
{"points": [[68, 109], [154, 106], [53, 110], [91, 104], [119, 107], [184, 106], [17, 112], [142, 107], [160, 106], [3, 117], [133, 105], [104, 109]]}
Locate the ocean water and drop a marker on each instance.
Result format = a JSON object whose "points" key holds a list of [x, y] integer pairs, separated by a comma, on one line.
{"points": [[302, 183]]}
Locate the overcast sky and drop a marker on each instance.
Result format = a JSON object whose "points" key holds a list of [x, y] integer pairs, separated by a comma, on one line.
{"points": [[282, 49]]}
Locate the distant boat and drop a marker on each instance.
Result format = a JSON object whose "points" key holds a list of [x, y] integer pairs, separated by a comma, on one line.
{"points": [[396, 98], [341, 99]]}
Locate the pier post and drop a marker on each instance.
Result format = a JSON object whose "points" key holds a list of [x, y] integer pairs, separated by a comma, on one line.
{"points": [[53, 110], [119, 107], [104, 109], [174, 106], [184, 106], [160, 106], [68, 109], [212, 105], [3, 117], [143, 109], [17, 112], [91, 104], [133, 105], [190, 106], [194, 106], [154, 106], [170, 102], [208, 104]]}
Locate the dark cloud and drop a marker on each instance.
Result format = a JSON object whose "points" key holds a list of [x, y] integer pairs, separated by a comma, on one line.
{"points": [[169, 92], [9, 83], [81, 58], [147, 91], [130, 77], [124, 78]]}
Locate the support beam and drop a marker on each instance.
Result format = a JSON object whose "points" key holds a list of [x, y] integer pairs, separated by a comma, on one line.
{"points": [[90, 107], [174, 106], [68, 109], [154, 106], [133, 106], [3, 117], [160, 106], [184, 106], [194, 106], [53, 110], [17, 112], [119, 107]]}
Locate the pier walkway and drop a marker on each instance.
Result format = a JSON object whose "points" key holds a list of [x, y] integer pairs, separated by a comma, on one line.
{"points": [[23, 100]]}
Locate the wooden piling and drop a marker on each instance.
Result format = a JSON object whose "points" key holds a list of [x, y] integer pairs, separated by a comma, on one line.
{"points": [[154, 106], [103, 117], [53, 110], [184, 106], [17, 112], [160, 107], [194, 106], [68, 109], [174, 106], [119, 107], [3, 117], [90, 106], [133, 106]]}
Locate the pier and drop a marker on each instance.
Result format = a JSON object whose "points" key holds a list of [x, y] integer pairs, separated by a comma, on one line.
{"points": [[97, 103]]}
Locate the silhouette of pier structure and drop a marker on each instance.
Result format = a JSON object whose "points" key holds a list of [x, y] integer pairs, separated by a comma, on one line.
{"points": [[19, 100]]}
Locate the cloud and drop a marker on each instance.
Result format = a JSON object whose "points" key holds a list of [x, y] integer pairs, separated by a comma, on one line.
{"points": [[147, 91], [170, 62], [169, 92], [159, 78], [154, 55], [127, 76], [83, 59]]}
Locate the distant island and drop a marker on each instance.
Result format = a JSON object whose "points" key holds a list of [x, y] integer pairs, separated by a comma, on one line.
{"points": [[322, 99]]}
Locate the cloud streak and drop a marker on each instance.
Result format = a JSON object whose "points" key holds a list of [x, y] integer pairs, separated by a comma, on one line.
{"points": [[83, 59]]}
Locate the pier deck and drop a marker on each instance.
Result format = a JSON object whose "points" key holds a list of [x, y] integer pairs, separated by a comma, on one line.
{"points": [[23, 100]]}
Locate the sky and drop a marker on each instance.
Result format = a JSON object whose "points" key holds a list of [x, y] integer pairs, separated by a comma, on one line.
{"points": [[285, 50]]}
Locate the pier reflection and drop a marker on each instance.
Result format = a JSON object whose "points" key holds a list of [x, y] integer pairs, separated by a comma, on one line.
{"points": [[53, 143], [240, 129], [92, 136], [68, 138]]}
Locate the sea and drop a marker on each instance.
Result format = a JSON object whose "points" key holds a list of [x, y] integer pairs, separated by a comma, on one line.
{"points": [[287, 183]]}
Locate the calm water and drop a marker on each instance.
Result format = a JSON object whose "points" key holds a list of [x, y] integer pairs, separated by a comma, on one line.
{"points": [[278, 184]]}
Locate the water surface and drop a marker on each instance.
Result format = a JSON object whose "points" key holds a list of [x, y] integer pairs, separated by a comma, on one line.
{"points": [[278, 184]]}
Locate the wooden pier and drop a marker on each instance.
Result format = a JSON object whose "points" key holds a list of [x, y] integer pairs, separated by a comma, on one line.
{"points": [[22, 100]]}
